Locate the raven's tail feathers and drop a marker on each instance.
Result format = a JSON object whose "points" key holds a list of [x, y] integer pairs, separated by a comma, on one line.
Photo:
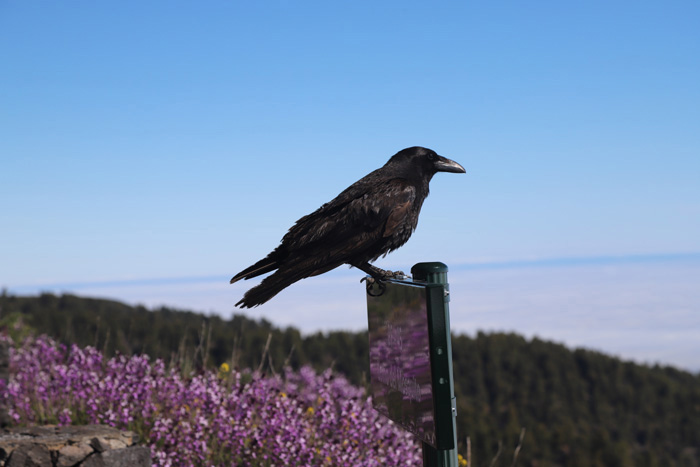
{"points": [[270, 287], [265, 265]]}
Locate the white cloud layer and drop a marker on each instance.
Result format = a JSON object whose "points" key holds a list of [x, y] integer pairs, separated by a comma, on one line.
{"points": [[648, 312]]}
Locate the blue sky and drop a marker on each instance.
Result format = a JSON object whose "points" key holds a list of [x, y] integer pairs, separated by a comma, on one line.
{"points": [[150, 150]]}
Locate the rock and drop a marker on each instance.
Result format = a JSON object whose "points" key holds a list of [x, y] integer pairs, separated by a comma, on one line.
{"points": [[99, 444], [30, 455], [72, 454], [95, 445], [127, 457]]}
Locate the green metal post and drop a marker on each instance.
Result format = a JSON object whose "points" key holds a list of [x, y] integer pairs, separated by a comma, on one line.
{"points": [[436, 273]]}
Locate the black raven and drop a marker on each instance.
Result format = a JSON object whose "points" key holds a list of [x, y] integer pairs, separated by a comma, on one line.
{"points": [[372, 217]]}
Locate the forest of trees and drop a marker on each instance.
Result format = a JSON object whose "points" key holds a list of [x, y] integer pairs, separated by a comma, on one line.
{"points": [[578, 407]]}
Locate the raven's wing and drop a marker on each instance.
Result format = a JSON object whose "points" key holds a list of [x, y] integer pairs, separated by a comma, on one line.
{"points": [[400, 213], [356, 227], [353, 225], [355, 221]]}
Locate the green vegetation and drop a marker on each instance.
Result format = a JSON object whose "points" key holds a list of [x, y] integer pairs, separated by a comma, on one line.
{"points": [[578, 407]]}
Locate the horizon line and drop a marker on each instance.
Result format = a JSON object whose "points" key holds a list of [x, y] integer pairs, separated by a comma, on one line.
{"points": [[466, 266]]}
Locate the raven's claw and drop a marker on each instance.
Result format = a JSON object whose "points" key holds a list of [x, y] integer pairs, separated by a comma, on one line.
{"points": [[371, 282]]}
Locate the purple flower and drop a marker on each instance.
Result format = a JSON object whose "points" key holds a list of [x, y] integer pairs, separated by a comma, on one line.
{"points": [[214, 418]]}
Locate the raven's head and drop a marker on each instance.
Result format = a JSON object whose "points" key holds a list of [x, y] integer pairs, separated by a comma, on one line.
{"points": [[423, 162]]}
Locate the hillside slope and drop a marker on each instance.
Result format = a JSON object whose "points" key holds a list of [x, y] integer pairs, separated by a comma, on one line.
{"points": [[578, 407]]}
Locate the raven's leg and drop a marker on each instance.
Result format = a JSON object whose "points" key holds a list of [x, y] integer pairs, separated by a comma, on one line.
{"points": [[377, 273], [377, 276]]}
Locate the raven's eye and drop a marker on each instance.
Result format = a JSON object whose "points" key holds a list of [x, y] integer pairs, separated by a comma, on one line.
{"points": [[431, 156]]}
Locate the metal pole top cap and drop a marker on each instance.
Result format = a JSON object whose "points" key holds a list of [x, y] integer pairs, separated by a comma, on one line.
{"points": [[421, 270]]}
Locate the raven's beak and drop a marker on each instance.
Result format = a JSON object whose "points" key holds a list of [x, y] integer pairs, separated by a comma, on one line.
{"points": [[443, 164]]}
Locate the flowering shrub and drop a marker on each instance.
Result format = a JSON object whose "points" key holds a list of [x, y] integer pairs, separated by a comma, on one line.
{"points": [[212, 418]]}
